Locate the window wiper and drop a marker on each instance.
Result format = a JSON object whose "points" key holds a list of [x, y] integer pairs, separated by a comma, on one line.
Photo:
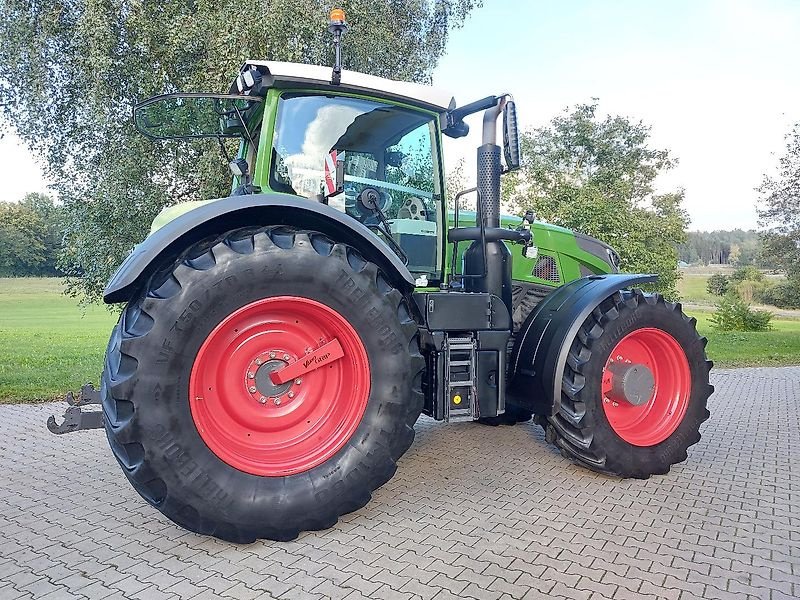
{"points": [[370, 198], [389, 240]]}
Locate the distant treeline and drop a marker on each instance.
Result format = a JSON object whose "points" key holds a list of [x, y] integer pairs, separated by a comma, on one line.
{"points": [[31, 234], [738, 247]]}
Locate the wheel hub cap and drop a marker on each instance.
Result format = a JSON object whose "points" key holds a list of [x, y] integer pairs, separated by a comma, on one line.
{"points": [[264, 385], [631, 383], [646, 387], [247, 409]]}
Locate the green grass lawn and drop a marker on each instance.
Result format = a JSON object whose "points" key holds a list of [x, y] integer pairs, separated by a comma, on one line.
{"points": [[780, 346], [49, 345], [692, 288]]}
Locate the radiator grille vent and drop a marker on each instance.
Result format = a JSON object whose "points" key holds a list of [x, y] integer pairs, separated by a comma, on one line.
{"points": [[546, 269]]}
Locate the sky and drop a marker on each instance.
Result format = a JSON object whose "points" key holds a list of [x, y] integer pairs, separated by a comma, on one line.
{"points": [[718, 81]]}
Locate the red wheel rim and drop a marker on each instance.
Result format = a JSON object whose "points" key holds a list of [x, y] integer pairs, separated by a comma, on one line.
{"points": [[276, 430], [656, 419]]}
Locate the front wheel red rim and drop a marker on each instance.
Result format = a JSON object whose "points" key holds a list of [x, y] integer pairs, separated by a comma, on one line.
{"points": [[659, 415], [269, 429]]}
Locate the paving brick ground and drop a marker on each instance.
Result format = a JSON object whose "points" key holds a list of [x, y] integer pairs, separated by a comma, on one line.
{"points": [[474, 512]]}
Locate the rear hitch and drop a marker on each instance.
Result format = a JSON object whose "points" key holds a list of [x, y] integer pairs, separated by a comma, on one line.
{"points": [[74, 418]]}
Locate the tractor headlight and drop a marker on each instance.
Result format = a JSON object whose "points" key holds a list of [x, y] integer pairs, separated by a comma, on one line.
{"points": [[248, 80]]}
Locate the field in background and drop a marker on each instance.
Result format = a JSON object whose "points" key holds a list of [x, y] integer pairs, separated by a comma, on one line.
{"points": [[49, 345], [692, 287], [781, 346], [693, 281], [778, 347]]}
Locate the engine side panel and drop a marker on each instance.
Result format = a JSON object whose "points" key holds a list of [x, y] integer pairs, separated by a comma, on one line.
{"points": [[563, 255]]}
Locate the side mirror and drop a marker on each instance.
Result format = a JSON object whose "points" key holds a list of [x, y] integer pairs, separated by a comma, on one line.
{"points": [[186, 116], [511, 144]]}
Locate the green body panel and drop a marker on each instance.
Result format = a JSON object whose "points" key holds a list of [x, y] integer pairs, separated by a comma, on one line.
{"points": [[261, 168], [571, 260], [551, 240], [173, 212]]}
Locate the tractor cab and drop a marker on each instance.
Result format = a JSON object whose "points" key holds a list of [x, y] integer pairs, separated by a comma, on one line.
{"points": [[376, 158], [377, 162], [367, 146]]}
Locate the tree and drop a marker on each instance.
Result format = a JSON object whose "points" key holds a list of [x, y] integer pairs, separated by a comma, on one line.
{"points": [[21, 246], [101, 56], [734, 314], [52, 217], [737, 247], [30, 236], [779, 211], [596, 176], [718, 284], [457, 182]]}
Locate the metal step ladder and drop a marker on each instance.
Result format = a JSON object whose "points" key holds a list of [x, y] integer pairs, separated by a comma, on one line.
{"points": [[460, 370]]}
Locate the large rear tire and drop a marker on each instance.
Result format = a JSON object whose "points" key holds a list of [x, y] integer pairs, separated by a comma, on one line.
{"points": [[634, 390], [201, 430]]}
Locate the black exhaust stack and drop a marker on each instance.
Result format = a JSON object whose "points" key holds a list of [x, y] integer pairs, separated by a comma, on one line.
{"points": [[496, 278]]}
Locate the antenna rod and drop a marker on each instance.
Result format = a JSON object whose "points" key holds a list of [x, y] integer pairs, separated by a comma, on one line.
{"points": [[338, 27]]}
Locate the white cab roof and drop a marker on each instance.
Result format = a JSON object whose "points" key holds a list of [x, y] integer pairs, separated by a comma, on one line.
{"points": [[301, 74]]}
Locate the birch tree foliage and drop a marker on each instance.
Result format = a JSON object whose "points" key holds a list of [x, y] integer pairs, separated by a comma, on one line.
{"points": [[71, 71]]}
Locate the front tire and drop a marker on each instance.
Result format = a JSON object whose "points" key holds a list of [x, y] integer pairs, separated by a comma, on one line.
{"points": [[634, 390], [198, 426]]}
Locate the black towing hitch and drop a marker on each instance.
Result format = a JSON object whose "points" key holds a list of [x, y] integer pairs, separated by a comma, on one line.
{"points": [[76, 419]]}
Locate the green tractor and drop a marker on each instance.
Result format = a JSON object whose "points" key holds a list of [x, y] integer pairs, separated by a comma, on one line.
{"points": [[277, 346]]}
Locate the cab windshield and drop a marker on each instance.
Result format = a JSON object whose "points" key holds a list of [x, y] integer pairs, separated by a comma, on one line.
{"points": [[381, 146]]}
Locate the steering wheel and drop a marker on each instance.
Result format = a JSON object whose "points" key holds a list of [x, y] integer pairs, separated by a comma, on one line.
{"points": [[362, 205]]}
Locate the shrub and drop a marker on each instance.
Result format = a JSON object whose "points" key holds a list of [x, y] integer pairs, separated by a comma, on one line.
{"points": [[748, 273], [734, 314], [782, 295], [749, 290], [718, 284]]}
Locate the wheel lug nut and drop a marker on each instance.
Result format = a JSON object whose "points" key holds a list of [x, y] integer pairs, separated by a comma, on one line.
{"points": [[252, 389], [272, 355], [298, 381], [263, 400], [277, 401], [614, 404], [259, 361], [251, 375], [285, 357], [290, 394]]}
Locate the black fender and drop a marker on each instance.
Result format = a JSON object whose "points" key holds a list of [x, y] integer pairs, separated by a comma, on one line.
{"points": [[254, 210], [543, 342]]}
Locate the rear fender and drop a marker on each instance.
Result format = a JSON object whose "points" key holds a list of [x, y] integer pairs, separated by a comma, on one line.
{"points": [[253, 210], [543, 342]]}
